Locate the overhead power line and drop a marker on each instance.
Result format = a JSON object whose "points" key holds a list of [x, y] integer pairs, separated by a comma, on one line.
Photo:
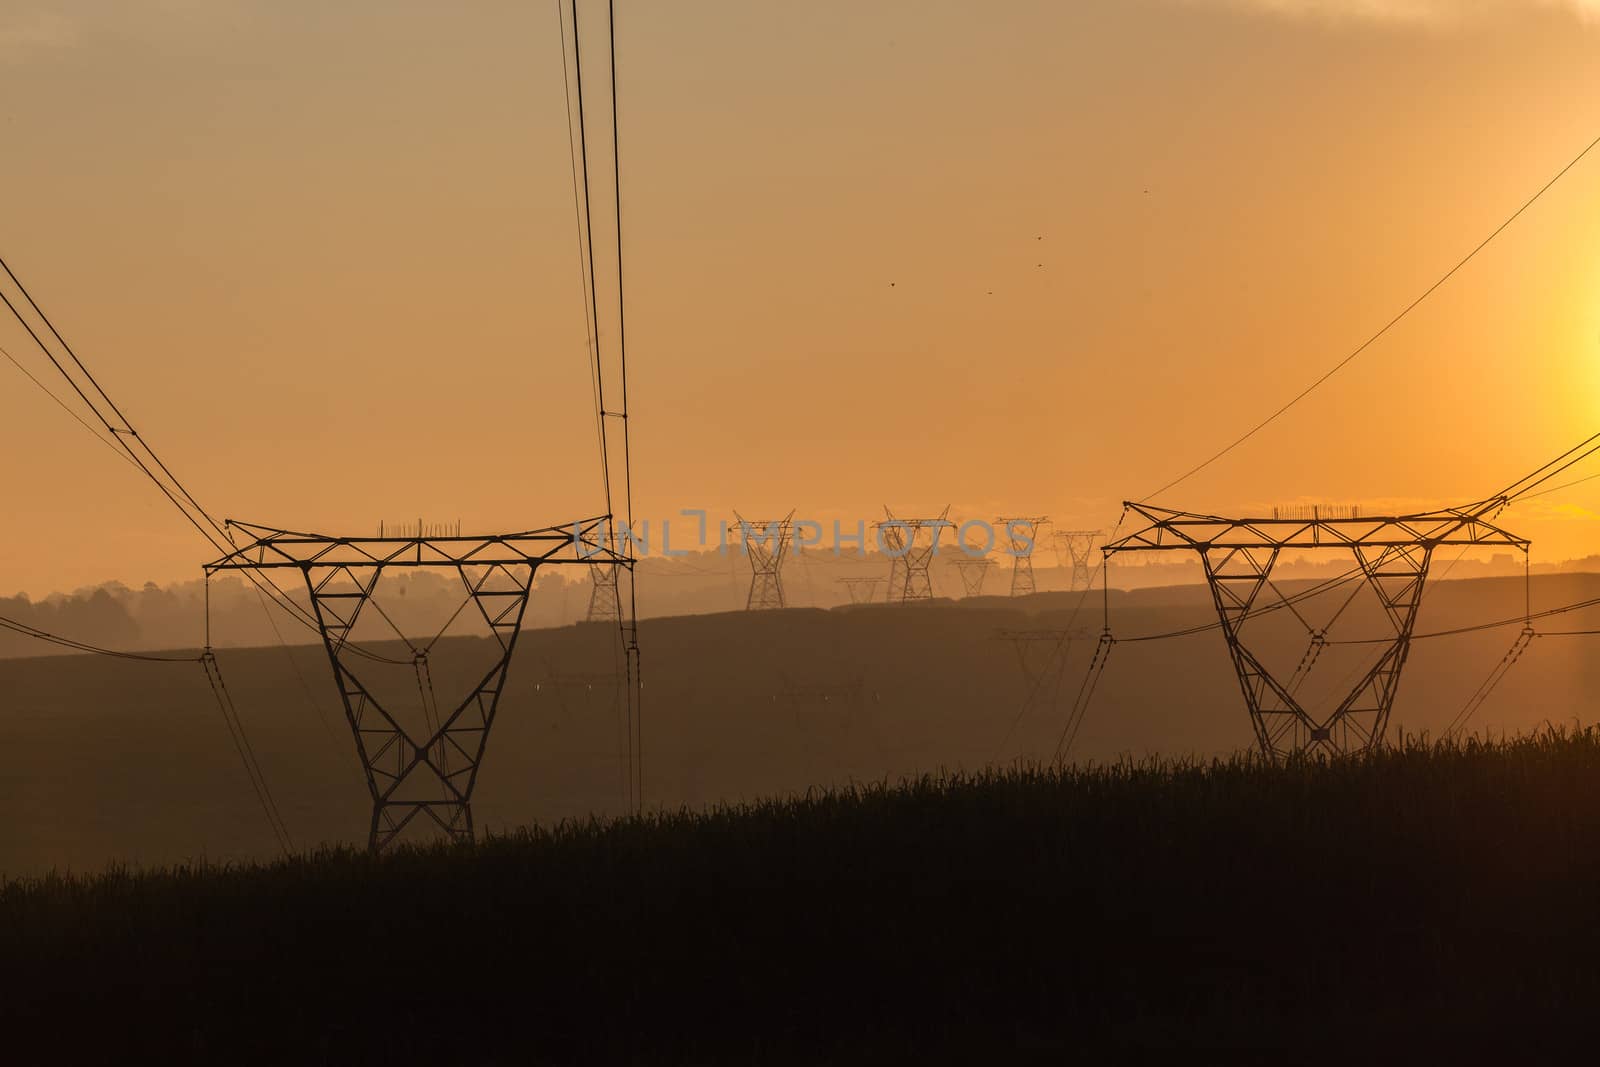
{"points": [[95, 398], [1370, 341], [120, 430], [627, 622], [1524, 487], [37, 634], [246, 752], [580, 187], [1558, 488], [230, 713], [64, 406]]}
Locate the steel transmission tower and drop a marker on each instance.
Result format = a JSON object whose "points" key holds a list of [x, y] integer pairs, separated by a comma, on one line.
{"points": [[423, 765], [1022, 533], [911, 554], [604, 603], [860, 590], [557, 684], [765, 544], [894, 543], [1054, 643], [1042, 676], [972, 571], [846, 695], [1078, 545], [830, 712], [1391, 553]]}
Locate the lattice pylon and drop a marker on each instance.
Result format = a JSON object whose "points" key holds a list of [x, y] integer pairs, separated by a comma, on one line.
{"points": [[1054, 643], [408, 776], [860, 590], [911, 555], [605, 603], [556, 684], [1392, 552], [972, 571], [766, 543], [845, 694], [1022, 533], [1236, 577], [1078, 549], [827, 713], [894, 540]]}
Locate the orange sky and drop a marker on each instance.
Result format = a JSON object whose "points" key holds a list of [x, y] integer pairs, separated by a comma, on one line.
{"points": [[1023, 257]]}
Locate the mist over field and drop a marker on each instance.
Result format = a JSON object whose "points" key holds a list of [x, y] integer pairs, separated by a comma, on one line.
{"points": [[152, 617], [130, 761]]}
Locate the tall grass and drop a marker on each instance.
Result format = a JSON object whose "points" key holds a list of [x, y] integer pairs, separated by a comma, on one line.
{"points": [[1444, 885]]}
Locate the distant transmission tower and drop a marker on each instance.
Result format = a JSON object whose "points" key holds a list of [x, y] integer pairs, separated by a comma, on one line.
{"points": [[828, 710], [1022, 533], [1051, 643], [765, 543], [861, 590], [1042, 655], [604, 603], [911, 555], [894, 543], [557, 684], [1079, 548], [845, 695], [972, 572]]}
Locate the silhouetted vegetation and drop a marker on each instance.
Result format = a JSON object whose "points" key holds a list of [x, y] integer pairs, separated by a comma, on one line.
{"points": [[94, 616], [1429, 893]]}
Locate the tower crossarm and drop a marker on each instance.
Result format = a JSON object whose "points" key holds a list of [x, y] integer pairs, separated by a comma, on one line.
{"points": [[1167, 529], [1022, 524], [581, 542]]}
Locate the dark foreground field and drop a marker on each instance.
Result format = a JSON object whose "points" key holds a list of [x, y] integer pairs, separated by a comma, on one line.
{"points": [[1427, 897]]}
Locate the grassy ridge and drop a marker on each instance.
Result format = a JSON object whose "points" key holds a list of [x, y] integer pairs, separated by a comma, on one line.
{"points": [[1429, 892]]}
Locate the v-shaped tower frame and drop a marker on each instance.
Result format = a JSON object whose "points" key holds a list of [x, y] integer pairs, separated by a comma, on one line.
{"points": [[910, 555], [432, 773], [1392, 553], [766, 544]]}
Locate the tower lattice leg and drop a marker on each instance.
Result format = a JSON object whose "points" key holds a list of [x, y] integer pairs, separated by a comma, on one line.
{"points": [[605, 605], [919, 582], [408, 776], [1022, 576], [766, 590], [1236, 577]]}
